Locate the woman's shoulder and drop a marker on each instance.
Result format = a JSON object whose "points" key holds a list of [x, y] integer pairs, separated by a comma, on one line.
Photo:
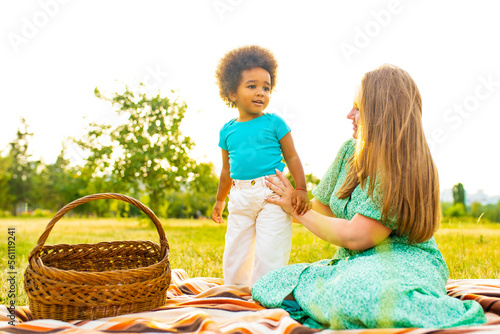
{"points": [[349, 144], [343, 155], [348, 147]]}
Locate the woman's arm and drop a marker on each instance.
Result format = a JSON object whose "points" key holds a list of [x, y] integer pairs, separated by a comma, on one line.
{"points": [[225, 183], [359, 233], [321, 208]]}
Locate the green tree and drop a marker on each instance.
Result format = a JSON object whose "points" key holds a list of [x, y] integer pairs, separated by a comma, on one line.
{"points": [[87, 183], [22, 169], [476, 209], [5, 197], [458, 208], [492, 212], [203, 190], [57, 184], [148, 153], [204, 179], [497, 213], [458, 194], [197, 197]]}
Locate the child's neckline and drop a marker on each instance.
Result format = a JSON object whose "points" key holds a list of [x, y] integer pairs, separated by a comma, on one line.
{"points": [[250, 120]]}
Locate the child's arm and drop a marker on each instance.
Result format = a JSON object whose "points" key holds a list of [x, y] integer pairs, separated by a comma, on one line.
{"points": [[300, 200], [225, 183]]}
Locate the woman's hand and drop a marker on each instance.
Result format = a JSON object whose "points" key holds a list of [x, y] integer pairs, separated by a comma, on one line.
{"points": [[360, 233], [283, 188]]}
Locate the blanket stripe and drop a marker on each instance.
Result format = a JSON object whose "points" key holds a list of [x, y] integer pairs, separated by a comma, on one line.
{"points": [[205, 305]]}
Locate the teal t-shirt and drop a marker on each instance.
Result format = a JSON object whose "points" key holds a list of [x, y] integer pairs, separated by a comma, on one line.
{"points": [[253, 146]]}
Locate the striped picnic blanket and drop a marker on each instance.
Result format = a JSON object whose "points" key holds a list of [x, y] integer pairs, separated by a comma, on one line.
{"points": [[205, 305]]}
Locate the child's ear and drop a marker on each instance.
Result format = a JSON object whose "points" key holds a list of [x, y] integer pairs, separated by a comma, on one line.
{"points": [[232, 96]]}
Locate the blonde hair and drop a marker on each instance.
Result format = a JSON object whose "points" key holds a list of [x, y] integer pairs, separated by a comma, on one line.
{"points": [[392, 152]]}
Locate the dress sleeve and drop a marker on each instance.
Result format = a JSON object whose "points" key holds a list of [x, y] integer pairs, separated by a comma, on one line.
{"points": [[364, 204], [324, 190]]}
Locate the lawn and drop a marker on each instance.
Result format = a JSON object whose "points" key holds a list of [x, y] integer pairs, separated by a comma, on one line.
{"points": [[472, 250]]}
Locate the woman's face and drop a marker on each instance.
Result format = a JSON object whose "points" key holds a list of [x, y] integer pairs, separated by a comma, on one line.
{"points": [[353, 115]]}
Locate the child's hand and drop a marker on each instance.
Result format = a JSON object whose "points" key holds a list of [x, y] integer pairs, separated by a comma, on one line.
{"points": [[217, 212], [301, 202]]}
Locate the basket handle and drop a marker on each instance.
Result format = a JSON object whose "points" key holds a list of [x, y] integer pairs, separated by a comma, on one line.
{"points": [[41, 241]]}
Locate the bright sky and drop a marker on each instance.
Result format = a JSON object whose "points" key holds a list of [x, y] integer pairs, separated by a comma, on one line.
{"points": [[54, 53]]}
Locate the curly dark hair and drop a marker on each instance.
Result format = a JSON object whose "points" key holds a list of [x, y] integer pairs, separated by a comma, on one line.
{"points": [[234, 62]]}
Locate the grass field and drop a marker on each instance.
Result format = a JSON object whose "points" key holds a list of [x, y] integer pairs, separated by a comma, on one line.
{"points": [[472, 250]]}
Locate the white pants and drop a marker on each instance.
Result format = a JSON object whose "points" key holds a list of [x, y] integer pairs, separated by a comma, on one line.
{"points": [[258, 236]]}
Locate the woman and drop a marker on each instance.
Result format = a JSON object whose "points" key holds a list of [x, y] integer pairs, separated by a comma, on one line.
{"points": [[379, 201]]}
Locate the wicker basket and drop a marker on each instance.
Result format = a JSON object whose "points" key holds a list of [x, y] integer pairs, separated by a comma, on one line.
{"points": [[91, 281]]}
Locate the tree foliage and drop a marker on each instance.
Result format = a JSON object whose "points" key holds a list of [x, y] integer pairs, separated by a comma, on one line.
{"points": [[476, 209], [146, 157], [458, 194], [456, 210], [490, 211], [197, 197], [57, 184], [148, 153], [5, 196], [22, 169]]}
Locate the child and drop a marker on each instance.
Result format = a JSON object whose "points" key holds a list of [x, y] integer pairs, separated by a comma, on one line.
{"points": [[259, 234]]}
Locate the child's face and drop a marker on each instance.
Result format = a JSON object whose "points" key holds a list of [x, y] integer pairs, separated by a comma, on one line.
{"points": [[253, 92]]}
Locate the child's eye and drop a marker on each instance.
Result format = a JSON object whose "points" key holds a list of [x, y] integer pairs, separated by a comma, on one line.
{"points": [[266, 89], [251, 86]]}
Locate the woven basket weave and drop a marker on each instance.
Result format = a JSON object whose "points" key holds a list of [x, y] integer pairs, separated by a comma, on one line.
{"points": [[91, 281]]}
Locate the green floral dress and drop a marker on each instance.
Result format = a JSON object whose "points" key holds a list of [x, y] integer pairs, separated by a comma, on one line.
{"points": [[394, 284]]}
